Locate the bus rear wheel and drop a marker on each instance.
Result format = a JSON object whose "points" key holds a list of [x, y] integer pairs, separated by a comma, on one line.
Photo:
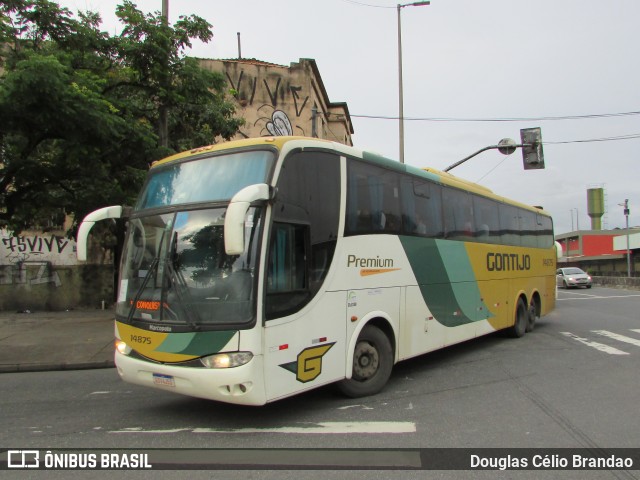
{"points": [[533, 315], [372, 364], [521, 321]]}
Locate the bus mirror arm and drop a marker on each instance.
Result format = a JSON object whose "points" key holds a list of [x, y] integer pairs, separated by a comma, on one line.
{"points": [[116, 211], [236, 212]]}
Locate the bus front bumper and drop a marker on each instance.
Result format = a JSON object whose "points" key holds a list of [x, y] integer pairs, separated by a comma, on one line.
{"points": [[242, 385]]}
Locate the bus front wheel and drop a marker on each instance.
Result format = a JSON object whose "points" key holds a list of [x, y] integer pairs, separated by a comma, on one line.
{"points": [[372, 364]]}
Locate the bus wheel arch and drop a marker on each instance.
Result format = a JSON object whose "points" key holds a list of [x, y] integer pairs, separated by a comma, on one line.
{"points": [[373, 357]]}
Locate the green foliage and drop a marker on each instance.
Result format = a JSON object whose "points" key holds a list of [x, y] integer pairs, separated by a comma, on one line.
{"points": [[83, 114]]}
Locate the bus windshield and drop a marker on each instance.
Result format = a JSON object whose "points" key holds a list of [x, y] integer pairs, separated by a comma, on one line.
{"points": [[175, 270], [215, 178]]}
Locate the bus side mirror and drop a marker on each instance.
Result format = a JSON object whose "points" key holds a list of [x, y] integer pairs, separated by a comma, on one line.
{"points": [[237, 210], [88, 222], [558, 250]]}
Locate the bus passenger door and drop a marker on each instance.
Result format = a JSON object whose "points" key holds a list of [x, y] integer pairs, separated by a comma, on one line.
{"points": [[304, 332]]}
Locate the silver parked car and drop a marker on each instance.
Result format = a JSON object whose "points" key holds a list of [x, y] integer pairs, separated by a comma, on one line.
{"points": [[572, 277]]}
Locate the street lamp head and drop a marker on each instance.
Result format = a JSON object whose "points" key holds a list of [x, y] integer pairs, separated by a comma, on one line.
{"points": [[414, 4]]}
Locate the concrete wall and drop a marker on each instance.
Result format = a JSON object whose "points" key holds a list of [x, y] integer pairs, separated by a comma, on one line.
{"points": [[40, 271], [632, 283], [43, 286]]}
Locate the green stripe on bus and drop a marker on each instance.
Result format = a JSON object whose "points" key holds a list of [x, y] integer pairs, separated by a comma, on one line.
{"points": [[196, 344], [449, 287]]}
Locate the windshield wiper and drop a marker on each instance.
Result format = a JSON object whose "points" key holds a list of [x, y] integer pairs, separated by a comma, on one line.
{"points": [[180, 286], [152, 269]]}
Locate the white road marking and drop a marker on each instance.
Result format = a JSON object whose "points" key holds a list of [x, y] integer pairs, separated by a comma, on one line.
{"points": [[596, 297], [362, 407], [598, 346], [637, 330], [311, 428], [620, 338]]}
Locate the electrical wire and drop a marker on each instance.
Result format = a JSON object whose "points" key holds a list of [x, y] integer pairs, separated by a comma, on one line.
{"points": [[630, 136], [505, 119], [367, 4]]}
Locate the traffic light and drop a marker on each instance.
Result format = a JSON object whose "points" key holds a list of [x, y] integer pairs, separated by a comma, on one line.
{"points": [[532, 156]]}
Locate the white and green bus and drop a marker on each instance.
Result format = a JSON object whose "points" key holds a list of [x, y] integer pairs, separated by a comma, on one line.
{"points": [[262, 268]]}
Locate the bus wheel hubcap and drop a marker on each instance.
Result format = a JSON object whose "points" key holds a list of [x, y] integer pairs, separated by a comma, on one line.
{"points": [[366, 361]]}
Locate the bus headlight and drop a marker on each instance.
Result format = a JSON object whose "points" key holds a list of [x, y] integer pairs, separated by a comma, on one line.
{"points": [[227, 360], [122, 347]]}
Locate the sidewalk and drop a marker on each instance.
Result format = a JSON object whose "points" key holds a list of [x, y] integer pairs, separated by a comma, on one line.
{"points": [[40, 341]]}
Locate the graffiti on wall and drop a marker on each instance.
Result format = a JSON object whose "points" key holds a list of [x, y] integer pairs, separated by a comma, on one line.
{"points": [[42, 248], [29, 260], [279, 125], [272, 119], [18, 274]]}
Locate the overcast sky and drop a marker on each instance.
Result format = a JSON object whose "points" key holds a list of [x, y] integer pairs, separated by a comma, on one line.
{"points": [[463, 60]]}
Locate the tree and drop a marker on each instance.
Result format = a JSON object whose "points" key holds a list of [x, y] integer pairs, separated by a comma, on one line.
{"points": [[80, 110]]}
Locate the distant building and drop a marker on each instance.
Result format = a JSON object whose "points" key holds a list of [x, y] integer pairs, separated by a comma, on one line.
{"points": [[600, 252], [276, 100]]}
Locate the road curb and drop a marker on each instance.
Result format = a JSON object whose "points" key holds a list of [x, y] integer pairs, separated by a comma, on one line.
{"points": [[39, 367]]}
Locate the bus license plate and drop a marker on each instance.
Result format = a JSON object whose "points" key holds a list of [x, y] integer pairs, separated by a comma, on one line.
{"points": [[164, 380]]}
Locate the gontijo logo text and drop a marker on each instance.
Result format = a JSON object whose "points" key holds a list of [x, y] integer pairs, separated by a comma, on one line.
{"points": [[508, 262]]}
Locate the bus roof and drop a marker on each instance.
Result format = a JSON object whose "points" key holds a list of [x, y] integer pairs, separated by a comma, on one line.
{"points": [[278, 142]]}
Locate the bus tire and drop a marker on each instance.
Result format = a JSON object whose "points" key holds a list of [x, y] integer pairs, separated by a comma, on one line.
{"points": [[532, 316], [372, 364], [521, 321]]}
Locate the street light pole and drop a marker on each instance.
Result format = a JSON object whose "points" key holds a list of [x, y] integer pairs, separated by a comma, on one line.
{"points": [[165, 10], [626, 215], [400, 93], [571, 212]]}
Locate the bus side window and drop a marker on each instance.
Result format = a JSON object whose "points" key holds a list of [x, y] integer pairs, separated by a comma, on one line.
{"points": [[509, 224], [458, 214], [422, 208], [487, 220], [544, 231], [287, 282], [373, 200], [528, 228]]}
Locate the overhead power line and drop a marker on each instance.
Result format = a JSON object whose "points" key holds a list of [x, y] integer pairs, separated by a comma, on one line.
{"points": [[504, 119], [630, 136], [362, 4]]}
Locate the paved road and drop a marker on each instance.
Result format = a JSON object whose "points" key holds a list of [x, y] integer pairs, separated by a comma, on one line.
{"points": [[573, 382]]}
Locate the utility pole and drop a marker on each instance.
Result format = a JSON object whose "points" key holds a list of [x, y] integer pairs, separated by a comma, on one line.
{"points": [[400, 92], [626, 215], [163, 113]]}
